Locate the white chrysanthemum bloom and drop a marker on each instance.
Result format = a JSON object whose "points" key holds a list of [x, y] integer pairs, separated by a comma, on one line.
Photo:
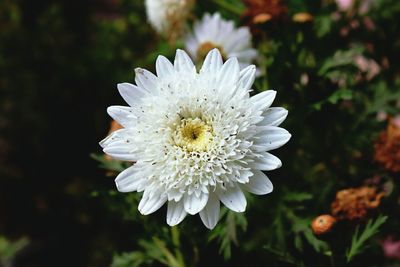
{"points": [[215, 32], [197, 139], [168, 16]]}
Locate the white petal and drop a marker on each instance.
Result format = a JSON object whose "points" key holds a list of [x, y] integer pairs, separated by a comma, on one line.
{"points": [[151, 201], [210, 214], [164, 67], [263, 100], [244, 176], [228, 76], [175, 213], [233, 198], [266, 163], [183, 62], [247, 55], [126, 180], [212, 63], [274, 116], [194, 204], [131, 93], [247, 77], [123, 115], [116, 135], [145, 79], [259, 184], [121, 148], [271, 137]]}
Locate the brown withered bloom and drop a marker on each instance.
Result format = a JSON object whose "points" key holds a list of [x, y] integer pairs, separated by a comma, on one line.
{"points": [[261, 11], [356, 203], [323, 224], [387, 147]]}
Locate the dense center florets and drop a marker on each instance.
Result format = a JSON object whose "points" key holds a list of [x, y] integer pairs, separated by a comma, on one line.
{"points": [[193, 135], [194, 141]]}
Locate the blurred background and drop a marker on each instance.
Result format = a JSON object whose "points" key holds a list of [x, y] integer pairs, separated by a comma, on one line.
{"points": [[60, 62]]}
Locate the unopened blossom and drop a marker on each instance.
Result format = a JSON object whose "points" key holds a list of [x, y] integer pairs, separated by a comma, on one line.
{"points": [[302, 17], [215, 32], [168, 17], [387, 146], [197, 138], [356, 203], [323, 224]]}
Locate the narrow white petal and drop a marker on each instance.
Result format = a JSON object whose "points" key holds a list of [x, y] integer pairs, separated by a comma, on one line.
{"points": [[244, 176], [121, 148], [114, 136], [274, 116], [228, 76], [213, 62], [145, 79], [123, 115], [233, 198], [268, 162], [183, 62], [151, 201], [247, 77], [131, 93], [194, 204], [175, 213], [271, 137], [263, 100], [164, 67], [126, 180], [119, 152], [247, 55], [259, 184], [210, 214]]}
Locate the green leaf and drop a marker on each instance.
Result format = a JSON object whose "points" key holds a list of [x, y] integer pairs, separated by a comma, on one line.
{"points": [[359, 239]]}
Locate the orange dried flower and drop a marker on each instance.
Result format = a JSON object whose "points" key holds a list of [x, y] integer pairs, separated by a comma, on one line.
{"points": [[261, 11], [356, 203], [323, 224], [387, 147]]}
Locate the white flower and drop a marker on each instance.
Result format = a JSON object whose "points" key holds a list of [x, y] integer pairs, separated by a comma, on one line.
{"points": [[168, 16], [197, 139], [214, 32]]}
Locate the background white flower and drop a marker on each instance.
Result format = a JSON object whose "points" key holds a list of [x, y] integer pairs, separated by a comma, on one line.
{"points": [[168, 16], [198, 139], [215, 32]]}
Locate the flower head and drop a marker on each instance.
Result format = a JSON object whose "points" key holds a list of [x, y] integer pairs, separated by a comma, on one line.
{"points": [[168, 17], [198, 139], [387, 147], [261, 11], [215, 32], [356, 203], [391, 248], [345, 5]]}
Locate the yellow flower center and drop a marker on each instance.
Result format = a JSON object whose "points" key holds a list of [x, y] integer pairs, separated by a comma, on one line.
{"points": [[206, 47], [193, 135]]}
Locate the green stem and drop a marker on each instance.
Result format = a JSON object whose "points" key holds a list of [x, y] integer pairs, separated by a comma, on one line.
{"points": [[229, 6], [177, 245]]}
